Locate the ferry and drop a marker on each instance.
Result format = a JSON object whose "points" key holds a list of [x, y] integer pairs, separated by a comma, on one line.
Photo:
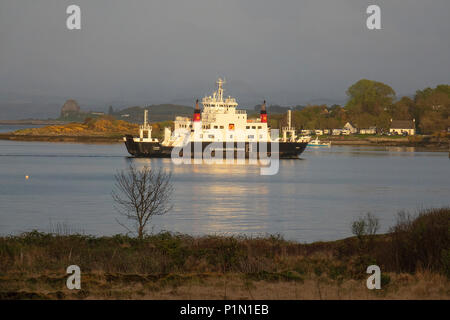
{"points": [[219, 123]]}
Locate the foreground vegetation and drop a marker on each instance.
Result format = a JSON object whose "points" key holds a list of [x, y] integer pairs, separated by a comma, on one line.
{"points": [[414, 258]]}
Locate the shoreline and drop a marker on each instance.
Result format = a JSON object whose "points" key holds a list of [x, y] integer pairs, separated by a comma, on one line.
{"points": [[370, 142], [69, 139]]}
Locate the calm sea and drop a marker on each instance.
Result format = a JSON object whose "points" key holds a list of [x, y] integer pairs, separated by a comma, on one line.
{"points": [[315, 198]]}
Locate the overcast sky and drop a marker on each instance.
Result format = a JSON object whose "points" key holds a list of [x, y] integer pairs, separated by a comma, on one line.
{"points": [[285, 51]]}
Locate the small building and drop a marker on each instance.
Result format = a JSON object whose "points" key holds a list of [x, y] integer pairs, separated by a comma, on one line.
{"points": [[326, 131], [350, 127], [304, 131], [318, 132], [403, 127], [336, 132], [370, 130]]}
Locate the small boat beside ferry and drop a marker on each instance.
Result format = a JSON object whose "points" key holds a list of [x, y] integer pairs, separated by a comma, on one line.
{"points": [[224, 127], [317, 143]]}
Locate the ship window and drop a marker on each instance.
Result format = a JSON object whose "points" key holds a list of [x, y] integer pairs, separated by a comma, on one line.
{"points": [[259, 127], [211, 136], [201, 136], [231, 136], [215, 127], [247, 127], [251, 136], [253, 127], [221, 127]]}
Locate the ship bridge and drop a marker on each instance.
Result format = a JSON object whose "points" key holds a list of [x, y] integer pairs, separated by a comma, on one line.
{"points": [[221, 121], [217, 99], [220, 113]]}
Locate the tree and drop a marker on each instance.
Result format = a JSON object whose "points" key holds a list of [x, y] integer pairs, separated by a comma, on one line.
{"points": [[141, 194], [368, 96], [366, 226], [432, 108], [402, 109]]}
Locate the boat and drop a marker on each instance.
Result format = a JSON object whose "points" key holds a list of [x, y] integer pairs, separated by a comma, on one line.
{"points": [[317, 143], [218, 127]]}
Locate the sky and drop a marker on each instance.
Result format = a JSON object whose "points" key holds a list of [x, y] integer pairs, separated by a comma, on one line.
{"points": [[288, 52]]}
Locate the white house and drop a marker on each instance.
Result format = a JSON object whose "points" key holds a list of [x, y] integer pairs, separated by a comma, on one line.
{"points": [[370, 130], [318, 132], [403, 126], [337, 132], [350, 127]]}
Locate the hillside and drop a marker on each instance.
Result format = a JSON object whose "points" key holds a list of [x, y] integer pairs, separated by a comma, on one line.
{"points": [[160, 112], [105, 127]]}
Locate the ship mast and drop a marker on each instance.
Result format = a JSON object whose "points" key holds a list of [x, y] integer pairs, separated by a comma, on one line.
{"points": [[220, 83]]}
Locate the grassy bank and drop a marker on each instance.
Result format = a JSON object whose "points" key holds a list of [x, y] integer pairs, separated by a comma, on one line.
{"points": [[99, 130], [104, 129], [439, 142], [414, 258]]}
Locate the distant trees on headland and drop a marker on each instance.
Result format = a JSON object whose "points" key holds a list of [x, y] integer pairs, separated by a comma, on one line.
{"points": [[372, 103]]}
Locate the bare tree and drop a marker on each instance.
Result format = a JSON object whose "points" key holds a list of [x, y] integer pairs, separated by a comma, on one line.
{"points": [[366, 225], [141, 194]]}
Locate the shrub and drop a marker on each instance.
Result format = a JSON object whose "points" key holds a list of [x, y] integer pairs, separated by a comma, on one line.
{"points": [[421, 242]]}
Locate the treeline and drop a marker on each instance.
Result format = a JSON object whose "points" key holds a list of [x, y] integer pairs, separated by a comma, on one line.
{"points": [[371, 103]]}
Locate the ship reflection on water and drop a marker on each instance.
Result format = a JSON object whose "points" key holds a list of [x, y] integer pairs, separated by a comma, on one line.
{"points": [[312, 199], [213, 195]]}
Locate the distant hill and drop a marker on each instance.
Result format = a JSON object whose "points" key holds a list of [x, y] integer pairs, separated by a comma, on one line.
{"points": [[276, 109], [156, 113], [28, 110]]}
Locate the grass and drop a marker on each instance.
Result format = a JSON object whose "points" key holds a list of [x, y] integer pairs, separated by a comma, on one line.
{"points": [[413, 257]]}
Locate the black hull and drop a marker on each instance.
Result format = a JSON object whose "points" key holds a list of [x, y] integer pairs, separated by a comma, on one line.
{"points": [[286, 150]]}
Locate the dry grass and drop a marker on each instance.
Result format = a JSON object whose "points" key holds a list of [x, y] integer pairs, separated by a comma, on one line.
{"points": [[414, 259], [220, 286]]}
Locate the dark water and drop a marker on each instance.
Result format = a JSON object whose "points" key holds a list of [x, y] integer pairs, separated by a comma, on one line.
{"points": [[315, 198]]}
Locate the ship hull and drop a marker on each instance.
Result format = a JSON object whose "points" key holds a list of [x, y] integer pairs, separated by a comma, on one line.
{"points": [[286, 150]]}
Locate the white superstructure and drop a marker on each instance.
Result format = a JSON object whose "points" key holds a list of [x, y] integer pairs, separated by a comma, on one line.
{"points": [[145, 131], [219, 121]]}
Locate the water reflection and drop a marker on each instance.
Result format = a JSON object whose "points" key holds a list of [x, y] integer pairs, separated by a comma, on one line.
{"points": [[311, 199]]}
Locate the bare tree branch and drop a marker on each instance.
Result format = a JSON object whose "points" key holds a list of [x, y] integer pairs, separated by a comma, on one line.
{"points": [[141, 194]]}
